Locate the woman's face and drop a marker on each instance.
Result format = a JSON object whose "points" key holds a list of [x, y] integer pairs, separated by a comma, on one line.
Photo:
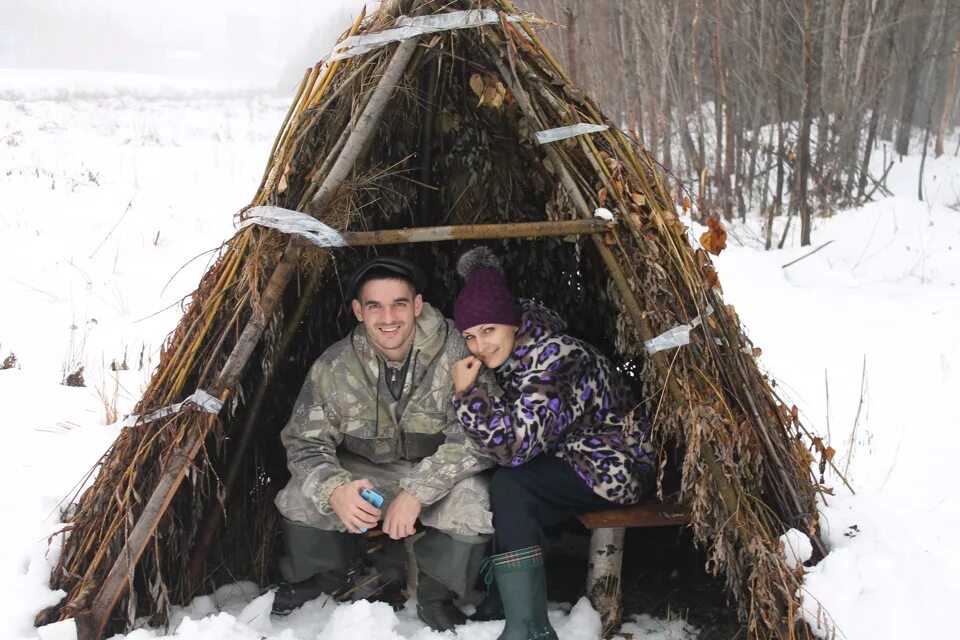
{"points": [[492, 343]]}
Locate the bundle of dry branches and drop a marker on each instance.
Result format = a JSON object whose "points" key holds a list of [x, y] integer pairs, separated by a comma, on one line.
{"points": [[439, 156]]}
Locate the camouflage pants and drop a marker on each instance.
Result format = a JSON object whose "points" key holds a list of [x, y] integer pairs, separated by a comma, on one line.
{"points": [[463, 514]]}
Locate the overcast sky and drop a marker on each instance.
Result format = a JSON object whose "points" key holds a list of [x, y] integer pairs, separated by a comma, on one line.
{"points": [[255, 41]]}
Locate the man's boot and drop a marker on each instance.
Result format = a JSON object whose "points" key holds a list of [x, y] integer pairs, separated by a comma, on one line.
{"points": [[522, 582], [317, 563], [290, 596], [490, 608], [435, 604], [448, 567]]}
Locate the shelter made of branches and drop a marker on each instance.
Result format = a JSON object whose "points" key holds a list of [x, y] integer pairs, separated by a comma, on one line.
{"points": [[437, 129]]}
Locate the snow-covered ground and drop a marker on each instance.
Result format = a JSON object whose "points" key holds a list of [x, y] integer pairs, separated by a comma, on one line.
{"points": [[864, 336], [111, 201]]}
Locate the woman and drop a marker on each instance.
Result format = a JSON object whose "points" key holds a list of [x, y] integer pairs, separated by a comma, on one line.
{"points": [[562, 428]]}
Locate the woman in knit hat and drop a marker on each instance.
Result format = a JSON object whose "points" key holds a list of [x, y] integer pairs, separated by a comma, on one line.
{"points": [[562, 429]]}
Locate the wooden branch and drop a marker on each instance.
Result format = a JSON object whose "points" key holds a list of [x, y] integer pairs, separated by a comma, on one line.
{"points": [[806, 255], [92, 624], [610, 260], [366, 125], [620, 280], [217, 508], [477, 232]]}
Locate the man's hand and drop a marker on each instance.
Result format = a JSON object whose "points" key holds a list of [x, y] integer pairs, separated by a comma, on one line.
{"points": [[354, 512], [401, 515], [464, 373]]}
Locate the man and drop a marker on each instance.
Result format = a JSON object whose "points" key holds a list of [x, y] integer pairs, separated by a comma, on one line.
{"points": [[376, 412]]}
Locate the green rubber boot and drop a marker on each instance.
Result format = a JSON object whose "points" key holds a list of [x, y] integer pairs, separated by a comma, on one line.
{"points": [[522, 582]]}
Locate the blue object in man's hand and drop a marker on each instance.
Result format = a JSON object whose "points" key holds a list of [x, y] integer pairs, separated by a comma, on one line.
{"points": [[373, 498]]}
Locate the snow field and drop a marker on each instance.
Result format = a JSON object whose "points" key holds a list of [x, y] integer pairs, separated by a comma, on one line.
{"points": [[873, 315]]}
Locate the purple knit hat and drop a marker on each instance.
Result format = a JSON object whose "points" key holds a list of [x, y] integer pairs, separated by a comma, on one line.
{"points": [[485, 298]]}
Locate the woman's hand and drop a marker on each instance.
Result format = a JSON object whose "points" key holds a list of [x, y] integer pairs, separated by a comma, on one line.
{"points": [[464, 373]]}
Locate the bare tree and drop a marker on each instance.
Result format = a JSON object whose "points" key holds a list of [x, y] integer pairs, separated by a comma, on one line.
{"points": [[950, 96], [801, 92]]}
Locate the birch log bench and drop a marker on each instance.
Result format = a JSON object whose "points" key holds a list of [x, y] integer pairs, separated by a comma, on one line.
{"points": [[608, 527]]}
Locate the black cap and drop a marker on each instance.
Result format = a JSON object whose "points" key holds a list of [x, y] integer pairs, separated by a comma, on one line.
{"points": [[386, 267]]}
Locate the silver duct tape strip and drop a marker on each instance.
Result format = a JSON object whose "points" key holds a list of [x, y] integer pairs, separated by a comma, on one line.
{"points": [[296, 223], [407, 27], [677, 336], [562, 133], [200, 398]]}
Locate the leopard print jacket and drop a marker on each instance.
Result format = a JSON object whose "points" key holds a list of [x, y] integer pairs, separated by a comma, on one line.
{"points": [[561, 396]]}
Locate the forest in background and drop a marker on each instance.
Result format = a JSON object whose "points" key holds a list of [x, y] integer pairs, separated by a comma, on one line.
{"points": [[730, 95]]}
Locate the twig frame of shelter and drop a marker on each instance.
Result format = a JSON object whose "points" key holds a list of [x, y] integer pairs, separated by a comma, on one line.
{"points": [[438, 128]]}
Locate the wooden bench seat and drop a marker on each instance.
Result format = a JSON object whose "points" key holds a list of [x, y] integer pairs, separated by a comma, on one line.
{"points": [[606, 550], [643, 514]]}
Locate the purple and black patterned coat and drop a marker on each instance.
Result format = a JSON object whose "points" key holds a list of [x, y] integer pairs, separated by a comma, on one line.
{"points": [[561, 397]]}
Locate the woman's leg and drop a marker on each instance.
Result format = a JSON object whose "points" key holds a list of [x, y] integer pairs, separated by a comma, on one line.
{"points": [[541, 493], [525, 499]]}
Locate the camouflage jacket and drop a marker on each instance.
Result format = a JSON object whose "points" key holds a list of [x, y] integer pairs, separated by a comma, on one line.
{"points": [[345, 404]]}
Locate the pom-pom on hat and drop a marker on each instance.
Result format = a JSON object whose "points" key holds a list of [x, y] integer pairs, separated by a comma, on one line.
{"points": [[485, 298]]}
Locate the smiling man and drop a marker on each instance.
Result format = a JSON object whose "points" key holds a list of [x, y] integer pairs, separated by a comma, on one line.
{"points": [[376, 412]]}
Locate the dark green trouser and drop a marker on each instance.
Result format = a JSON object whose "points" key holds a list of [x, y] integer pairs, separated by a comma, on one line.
{"points": [[454, 562], [311, 551]]}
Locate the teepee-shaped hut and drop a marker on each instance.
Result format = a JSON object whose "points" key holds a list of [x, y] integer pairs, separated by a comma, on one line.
{"points": [[437, 114]]}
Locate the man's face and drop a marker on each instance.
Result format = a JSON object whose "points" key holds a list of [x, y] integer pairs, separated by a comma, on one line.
{"points": [[388, 309]]}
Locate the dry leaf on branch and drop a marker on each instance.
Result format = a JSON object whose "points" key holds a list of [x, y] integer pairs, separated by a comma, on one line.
{"points": [[825, 451], [784, 412], [714, 239], [282, 184], [491, 91], [711, 277], [826, 455], [476, 84], [491, 98]]}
